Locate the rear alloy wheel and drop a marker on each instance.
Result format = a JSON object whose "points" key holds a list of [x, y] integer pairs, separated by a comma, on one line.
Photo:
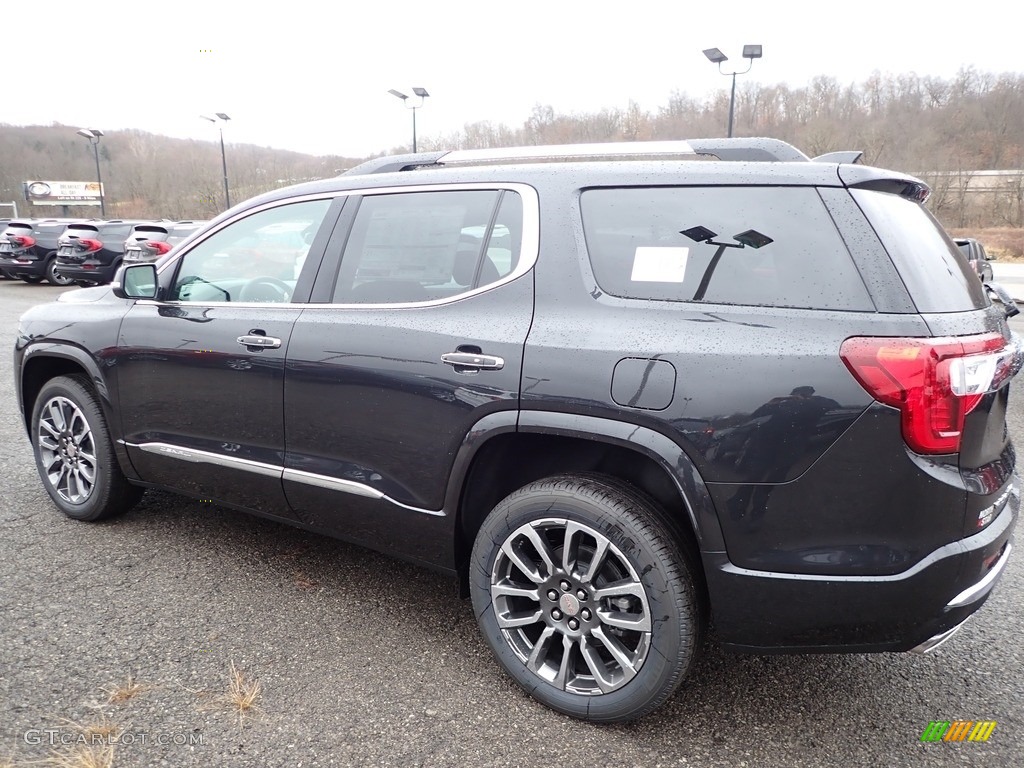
{"points": [[53, 277], [586, 598], [74, 453]]}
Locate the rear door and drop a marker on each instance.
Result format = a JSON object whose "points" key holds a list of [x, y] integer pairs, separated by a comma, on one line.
{"points": [[419, 335]]}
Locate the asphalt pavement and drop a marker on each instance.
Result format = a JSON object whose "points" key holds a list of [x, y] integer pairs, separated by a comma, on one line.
{"points": [[366, 661]]}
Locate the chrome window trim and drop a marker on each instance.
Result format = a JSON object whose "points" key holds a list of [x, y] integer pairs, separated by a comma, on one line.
{"points": [[196, 456], [529, 248]]}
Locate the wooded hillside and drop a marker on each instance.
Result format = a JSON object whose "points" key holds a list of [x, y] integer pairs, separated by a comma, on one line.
{"points": [[943, 130]]}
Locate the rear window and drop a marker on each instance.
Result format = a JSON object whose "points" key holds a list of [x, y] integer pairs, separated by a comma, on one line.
{"points": [[768, 246], [935, 271]]}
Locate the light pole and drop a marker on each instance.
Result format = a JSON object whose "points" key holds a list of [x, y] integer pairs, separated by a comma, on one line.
{"points": [[93, 135], [223, 155], [715, 56], [422, 93]]}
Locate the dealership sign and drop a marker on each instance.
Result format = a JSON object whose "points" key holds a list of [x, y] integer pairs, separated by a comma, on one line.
{"points": [[63, 192]]}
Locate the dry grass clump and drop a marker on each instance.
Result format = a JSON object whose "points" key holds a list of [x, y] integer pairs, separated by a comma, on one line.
{"points": [[243, 693], [1003, 243], [124, 691]]}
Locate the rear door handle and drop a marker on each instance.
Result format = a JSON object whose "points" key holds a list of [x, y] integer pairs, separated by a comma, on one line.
{"points": [[471, 360], [264, 342]]}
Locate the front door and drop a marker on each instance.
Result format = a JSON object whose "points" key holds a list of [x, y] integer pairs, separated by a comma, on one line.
{"points": [[200, 376]]}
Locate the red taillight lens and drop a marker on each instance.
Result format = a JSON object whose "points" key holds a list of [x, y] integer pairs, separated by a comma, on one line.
{"points": [[22, 241], [159, 246], [934, 382], [88, 244]]}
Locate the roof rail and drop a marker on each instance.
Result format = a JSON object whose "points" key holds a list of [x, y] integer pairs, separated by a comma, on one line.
{"points": [[748, 150]]}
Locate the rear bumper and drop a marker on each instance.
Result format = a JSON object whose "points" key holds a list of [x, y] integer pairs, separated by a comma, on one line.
{"points": [[764, 612], [91, 271], [29, 267]]}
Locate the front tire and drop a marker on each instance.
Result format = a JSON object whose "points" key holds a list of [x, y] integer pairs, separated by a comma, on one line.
{"points": [[586, 597], [74, 453]]}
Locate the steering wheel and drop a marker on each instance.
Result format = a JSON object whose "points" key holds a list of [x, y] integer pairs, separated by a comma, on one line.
{"points": [[265, 289]]}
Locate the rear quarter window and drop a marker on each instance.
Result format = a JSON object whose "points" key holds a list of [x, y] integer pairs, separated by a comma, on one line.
{"points": [[935, 271], [765, 246]]}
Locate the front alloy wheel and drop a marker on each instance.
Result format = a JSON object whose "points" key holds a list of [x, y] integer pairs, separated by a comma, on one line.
{"points": [[74, 453], [586, 595], [67, 452]]}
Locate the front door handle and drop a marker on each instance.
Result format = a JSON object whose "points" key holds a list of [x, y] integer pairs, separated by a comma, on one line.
{"points": [[472, 360], [263, 342]]}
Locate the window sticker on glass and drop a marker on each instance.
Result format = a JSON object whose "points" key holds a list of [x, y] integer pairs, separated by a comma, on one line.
{"points": [[652, 264]]}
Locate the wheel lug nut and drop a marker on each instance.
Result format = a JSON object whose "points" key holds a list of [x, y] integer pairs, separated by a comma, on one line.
{"points": [[573, 624], [556, 615], [585, 613], [566, 586], [581, 594], [552, 595]]}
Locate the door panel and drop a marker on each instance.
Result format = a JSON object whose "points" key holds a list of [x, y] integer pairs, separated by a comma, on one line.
{"points": [[201, 376], [374, 415]]}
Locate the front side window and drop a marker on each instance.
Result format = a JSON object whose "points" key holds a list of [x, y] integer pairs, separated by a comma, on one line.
{"points": [[424, 246], [762, 246], [255, 259]]}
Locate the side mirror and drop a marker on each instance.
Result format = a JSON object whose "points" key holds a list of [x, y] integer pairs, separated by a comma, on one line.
{"points": [[137, 281]]}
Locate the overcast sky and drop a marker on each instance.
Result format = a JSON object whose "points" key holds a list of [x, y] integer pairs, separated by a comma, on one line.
{"points": [[314, 76]]}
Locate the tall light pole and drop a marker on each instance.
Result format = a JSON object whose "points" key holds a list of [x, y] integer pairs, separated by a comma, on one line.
{"points": [[715, 56], [223, 155], [93, 135], [422, 93]]}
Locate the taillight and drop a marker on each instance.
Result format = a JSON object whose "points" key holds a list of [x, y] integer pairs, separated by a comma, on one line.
{"points": [[934, 382], [158, 245], [88, 244], [22, 241]]}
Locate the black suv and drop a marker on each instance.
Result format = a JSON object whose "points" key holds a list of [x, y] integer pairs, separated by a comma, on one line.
{"points": [[90, 252], [976, 256], [28, 249], [148, 242], [618, 398]]}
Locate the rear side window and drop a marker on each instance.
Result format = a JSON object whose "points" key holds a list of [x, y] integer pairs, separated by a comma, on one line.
{"points": [[428, 246], [935, 271], [767, 246]]}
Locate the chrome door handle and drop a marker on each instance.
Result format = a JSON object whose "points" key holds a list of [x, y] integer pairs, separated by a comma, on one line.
{"points": [[470, 360], [264, 342]]}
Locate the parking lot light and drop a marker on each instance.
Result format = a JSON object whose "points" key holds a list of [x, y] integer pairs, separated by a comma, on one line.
{"points": [[223, 156], [422, 94], [93, 135], [715, 56]]}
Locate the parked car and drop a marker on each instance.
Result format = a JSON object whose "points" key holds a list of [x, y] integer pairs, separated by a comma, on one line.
{"points": [[767, 392], [28, 249], [89, 253], [976, 256], [148, 242]]}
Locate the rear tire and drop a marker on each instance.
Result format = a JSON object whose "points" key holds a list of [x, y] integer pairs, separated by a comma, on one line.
{"points": [[32, 279], [586, 598], [74, 453], [53, 277]]}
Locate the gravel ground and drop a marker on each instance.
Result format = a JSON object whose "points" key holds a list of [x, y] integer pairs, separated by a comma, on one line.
{"points": [[362, 660]]}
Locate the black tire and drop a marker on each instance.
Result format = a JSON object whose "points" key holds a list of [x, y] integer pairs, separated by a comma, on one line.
{"points": [[74, 453], [32, 279], [585, 514], [53, 277]]}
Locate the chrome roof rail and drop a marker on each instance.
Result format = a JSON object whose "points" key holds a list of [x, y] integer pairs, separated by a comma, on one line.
{"points": [[567, 151], [740, 150]]}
